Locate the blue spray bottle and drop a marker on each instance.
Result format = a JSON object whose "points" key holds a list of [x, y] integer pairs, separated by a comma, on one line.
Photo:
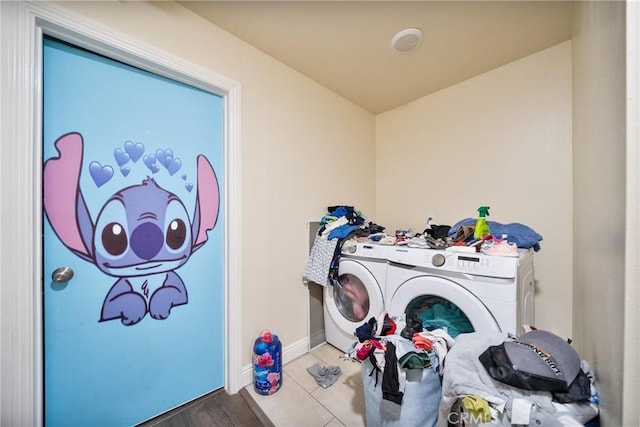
{"points": [[482, 228]]}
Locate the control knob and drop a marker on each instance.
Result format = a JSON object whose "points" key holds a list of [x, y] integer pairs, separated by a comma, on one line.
{"points": [[438, 260]]}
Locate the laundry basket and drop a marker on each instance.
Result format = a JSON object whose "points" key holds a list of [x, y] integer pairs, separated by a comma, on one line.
{"points": [[420, 402]]}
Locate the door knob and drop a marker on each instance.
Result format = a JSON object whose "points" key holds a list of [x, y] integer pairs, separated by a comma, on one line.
{"points": [[62, 274]]}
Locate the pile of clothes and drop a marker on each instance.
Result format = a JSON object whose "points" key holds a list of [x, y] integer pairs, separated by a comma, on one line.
{"points": [[416, 376], [401, 370], [518, 234], [338, 225], [504, 239], [534, 379]]}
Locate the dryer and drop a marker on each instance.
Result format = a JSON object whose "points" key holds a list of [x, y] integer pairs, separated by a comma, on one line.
{"points": [[461, 292], [362, 271]]}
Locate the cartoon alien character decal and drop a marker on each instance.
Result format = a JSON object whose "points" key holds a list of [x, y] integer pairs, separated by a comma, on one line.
{"points": [[141, 235]]}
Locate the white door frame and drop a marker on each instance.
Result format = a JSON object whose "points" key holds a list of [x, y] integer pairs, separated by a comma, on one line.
{"points": [[22, 25], [631, 384]]}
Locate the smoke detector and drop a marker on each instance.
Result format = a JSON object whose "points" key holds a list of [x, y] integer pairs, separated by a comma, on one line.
{"points": [[406, 40]]}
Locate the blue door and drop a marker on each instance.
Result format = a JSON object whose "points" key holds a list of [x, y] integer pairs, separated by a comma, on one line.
{"points": [[133, 240]]}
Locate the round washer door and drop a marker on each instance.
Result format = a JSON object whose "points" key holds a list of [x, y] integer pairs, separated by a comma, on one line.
{"points": [[357, 300], [441, 302]]}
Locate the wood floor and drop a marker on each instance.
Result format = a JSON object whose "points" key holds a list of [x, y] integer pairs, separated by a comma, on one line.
{"points": [[217, 409]]}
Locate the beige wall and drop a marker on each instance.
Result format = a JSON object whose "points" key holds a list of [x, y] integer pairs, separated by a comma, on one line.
{"points": [[303, 148], [501, 139], [599, 195]]}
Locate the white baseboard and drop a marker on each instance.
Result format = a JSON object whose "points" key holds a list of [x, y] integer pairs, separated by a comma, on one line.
{"points": [[289, 353]]}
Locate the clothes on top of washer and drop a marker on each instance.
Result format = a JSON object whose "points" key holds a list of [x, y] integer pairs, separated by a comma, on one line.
{"points": [[339, 225], [520, 234], [327, 246], [319, 262], [340, 221]]}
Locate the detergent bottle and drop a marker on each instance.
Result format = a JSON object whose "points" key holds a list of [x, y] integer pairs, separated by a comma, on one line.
{"points": [[267, 363], [482, 228]]}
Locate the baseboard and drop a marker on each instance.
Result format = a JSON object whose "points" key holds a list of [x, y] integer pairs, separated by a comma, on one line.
{"points": [[317, 339], [289, 353]]}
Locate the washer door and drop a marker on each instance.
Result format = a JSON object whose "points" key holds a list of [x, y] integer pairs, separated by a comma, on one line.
{"points": [[358, 299], [442, 303]]}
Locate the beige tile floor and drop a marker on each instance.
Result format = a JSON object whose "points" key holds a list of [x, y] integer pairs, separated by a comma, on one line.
{"points": [[302, 402]]}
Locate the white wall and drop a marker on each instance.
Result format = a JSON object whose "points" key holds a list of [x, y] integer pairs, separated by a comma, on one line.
{"points": [[599, 196], [501, 139]]}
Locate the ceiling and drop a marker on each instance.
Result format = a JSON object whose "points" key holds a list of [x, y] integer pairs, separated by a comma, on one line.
{"points": [[346, 45]]}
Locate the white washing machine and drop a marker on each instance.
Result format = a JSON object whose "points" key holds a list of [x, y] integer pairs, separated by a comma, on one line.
{"points": [[362, 272], [461, 292]]}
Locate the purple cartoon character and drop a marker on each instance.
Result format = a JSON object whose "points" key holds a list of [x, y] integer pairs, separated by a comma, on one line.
{"points": [[141, 235]]}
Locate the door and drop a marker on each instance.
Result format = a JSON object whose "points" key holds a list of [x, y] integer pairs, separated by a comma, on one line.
{"points": [[132, 240]]}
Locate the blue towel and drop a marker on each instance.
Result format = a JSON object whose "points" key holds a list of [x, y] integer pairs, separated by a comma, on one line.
{"points": [[521, 235], [342, 231]]}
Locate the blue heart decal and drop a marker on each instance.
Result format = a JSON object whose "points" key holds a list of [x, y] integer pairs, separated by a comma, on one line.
{"points": [[125, 170], [121, 157], [164, 156], [174, 166], [100, 174], [189, 187], [150, 161], [134, 150]]}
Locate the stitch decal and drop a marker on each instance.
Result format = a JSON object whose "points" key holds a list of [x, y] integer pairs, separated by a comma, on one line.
{"points": [[142, 234]]}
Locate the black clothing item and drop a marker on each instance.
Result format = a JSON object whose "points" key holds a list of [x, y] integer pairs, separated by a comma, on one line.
{"points": [[390, 382], [438, 231], [376, 369], [413, 326], [497, 363], [579, 390]]}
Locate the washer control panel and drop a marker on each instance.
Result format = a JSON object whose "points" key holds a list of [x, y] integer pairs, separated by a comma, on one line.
{"points": [[460, 262], [478, 264], [365, 250]]}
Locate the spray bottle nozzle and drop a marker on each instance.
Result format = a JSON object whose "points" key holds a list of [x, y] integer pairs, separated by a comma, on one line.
{"points": [[483, 211]]}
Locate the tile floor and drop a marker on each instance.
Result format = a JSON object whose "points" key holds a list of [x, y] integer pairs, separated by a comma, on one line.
{"points": [[302, 402]]}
